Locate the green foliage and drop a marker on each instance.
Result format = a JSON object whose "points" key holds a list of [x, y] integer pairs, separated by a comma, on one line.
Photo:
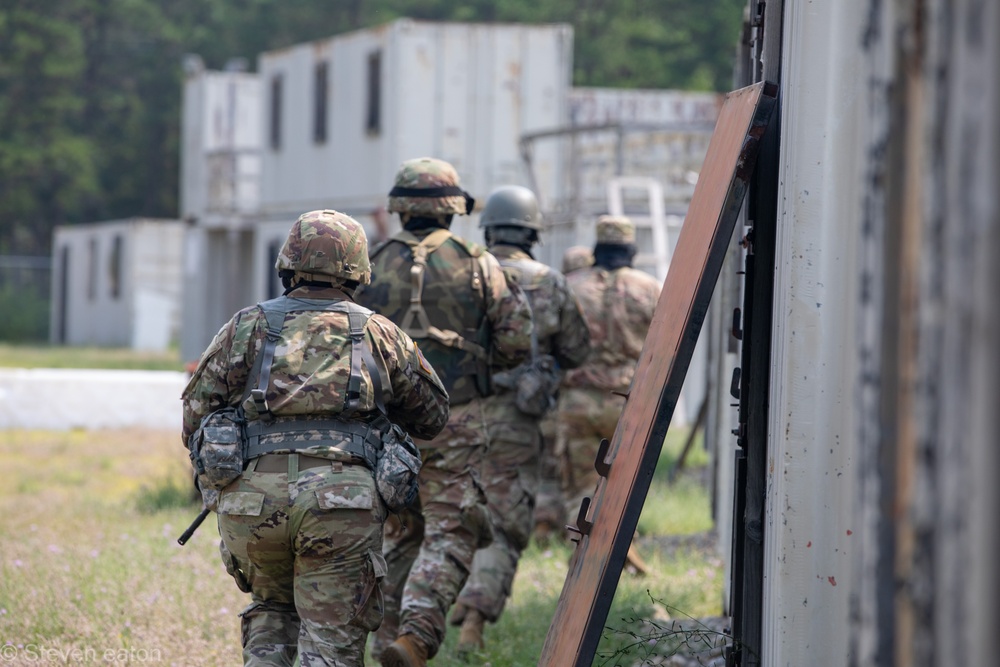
{"points": [[165, 494], [44, 356], [26, 315], [90, 89]]}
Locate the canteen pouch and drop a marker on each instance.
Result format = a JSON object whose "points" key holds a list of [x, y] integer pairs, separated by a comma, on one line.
{"points": [[217, 451], [397, 469]]}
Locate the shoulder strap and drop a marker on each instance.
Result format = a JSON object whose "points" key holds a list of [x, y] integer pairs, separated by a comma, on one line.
{"points": [[415, 321], [274, 312]]}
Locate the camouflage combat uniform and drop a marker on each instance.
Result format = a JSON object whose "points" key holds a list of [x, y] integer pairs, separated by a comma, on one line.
{"points": [[512, 467], [618, 305], [302, 532], [550, 509], [429, 549]]}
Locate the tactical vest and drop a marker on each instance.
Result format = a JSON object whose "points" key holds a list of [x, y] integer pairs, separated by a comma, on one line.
{"points": [[446, 310], [354, 437]]}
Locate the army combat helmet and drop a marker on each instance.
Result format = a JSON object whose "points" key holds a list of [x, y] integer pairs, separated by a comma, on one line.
{"points": [[428, 187], [512, 206], [326, 246]]}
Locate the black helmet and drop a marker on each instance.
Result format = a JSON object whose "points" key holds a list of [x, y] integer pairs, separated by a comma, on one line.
{"points": [[512, 206]]}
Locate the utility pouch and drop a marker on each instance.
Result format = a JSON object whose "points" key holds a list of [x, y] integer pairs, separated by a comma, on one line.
{"points": [[217, 451], [534, 385], [398, 469]]}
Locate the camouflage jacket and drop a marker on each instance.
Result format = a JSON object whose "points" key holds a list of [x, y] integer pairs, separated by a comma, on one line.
{"points": [[618, 306], [559, 325], [464, 291], [312, 364]]}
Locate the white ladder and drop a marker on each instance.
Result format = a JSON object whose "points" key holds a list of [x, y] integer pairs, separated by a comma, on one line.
{"points": [[658, 260]]}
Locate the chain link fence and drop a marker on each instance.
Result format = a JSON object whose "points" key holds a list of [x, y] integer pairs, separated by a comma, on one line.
{"points": [[25, 289]]}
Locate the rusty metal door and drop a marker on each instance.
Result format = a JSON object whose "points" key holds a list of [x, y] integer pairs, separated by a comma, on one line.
{"points": [[605, 526]]}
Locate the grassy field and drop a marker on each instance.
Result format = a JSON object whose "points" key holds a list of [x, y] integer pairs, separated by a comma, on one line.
{"points": [[46, 356], [90, 570]]}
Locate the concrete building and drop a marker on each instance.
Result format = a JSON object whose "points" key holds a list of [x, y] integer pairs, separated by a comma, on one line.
{"points": [[117, 284], [866, 524], [332, 121]]}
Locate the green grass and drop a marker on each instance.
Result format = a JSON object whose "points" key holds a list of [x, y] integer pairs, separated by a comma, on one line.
{"points": [[90, 560], [52, 356]]}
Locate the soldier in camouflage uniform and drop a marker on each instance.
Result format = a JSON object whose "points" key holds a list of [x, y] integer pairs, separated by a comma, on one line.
{"points": [[451, 296], [302, 527], [549, 507], [511, 471], [618, 302]]}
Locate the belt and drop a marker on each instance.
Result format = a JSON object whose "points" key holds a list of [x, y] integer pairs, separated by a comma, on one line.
{"points": [[279, 462]]}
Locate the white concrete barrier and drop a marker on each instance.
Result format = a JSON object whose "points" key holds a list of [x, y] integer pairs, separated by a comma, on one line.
{"points": [[63, 399]]}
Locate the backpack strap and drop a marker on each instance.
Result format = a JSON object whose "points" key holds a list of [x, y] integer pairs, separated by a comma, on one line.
{"points": [[415, 321], [274, 312]]}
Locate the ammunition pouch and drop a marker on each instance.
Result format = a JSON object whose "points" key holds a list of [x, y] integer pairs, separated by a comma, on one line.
{"points": [[397, 470], [218, 452], [534, 384]]}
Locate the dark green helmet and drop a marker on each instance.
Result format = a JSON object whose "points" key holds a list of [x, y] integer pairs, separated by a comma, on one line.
{"points": [[512, 206]]}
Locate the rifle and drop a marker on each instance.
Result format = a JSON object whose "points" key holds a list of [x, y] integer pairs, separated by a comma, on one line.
{"points": [[186, 535]]}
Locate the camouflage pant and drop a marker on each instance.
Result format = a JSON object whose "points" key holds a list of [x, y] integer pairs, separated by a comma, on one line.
{"points": [[310, 555], [549, 507], [510, 479], [429, 547], [585, 416]]}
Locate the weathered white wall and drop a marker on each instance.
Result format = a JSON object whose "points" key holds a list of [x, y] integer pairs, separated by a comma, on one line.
{"points": [[460, 92], [145, 312], [811, 469], [90, 399], [221, 138]]}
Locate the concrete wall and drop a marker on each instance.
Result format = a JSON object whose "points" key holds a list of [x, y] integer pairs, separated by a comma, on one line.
{"points": [[117, 284], [461, 92], [90, 399]]}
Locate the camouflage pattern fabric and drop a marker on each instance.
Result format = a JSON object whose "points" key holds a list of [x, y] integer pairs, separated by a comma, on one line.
{"points": [[513, 464], [312, 364], [429, 548], [510, 478], [618, 306], [615, 229], [575, 258], [310, 554], [464, 291], [585, 417], [426, 173], [288, 540], [549, 504], [326, 244]]}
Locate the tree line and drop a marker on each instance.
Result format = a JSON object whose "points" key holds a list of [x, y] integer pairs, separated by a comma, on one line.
{"points": [[90, 89]]}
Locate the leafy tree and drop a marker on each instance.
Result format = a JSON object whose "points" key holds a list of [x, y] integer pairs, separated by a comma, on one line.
{"points": [[89, 89]]}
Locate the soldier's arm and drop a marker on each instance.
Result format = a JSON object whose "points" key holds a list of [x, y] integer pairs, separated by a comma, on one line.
{"points": [[217, 382], [572, 343], [418, 401], [509, 315]]}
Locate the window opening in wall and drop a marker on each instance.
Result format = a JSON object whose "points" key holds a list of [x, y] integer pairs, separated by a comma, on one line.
{"points": [[373, 118], [319, 102], [92, 270], [63, 307], [274, 287], [276, 93], [115, 267]]}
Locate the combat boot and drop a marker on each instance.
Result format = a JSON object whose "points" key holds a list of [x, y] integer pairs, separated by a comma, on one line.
{"points": [[634, 563], [406, 651], [470, 637]]}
